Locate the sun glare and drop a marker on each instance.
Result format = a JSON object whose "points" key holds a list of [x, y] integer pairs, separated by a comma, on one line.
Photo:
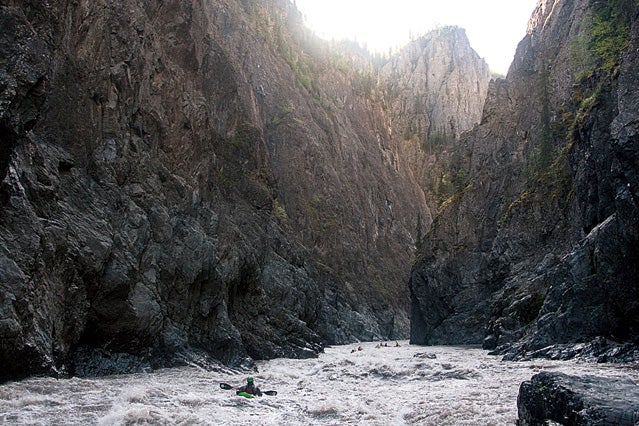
{"points": [[494, 27]]}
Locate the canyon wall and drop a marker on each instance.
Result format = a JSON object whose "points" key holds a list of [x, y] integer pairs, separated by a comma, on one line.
{"points": [[539, 245], [195, 182]]}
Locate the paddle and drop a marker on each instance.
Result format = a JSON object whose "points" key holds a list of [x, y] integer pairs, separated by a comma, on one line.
{"points": [[226, 386]]}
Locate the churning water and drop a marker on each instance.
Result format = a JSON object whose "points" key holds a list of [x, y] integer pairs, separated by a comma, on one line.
{"points": [[376, 386]]}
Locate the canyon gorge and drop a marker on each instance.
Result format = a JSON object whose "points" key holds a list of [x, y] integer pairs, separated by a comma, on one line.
{"points": [[208, 182]]}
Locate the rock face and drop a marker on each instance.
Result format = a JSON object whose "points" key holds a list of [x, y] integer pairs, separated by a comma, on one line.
{"points": [[194, 181], [439, 85], [540, 244], [569, 400], [435, 88], [137, 195]]}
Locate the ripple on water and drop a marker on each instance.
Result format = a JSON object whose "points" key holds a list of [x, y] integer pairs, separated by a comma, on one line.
{"points": [[444, 386]]}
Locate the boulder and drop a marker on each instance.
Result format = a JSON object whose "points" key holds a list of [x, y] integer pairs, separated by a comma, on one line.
{"points": [[556, 398]]}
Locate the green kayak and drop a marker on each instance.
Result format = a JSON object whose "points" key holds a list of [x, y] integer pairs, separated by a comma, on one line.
{"points": [[245, 395]]}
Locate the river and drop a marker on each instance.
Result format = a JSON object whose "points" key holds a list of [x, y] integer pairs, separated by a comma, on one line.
{"points": [[377, 386]]}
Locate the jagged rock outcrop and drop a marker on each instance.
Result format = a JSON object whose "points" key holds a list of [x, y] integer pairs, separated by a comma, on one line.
{"points": [[540, 245], [569, 400], [437, 86], [193, 181]]}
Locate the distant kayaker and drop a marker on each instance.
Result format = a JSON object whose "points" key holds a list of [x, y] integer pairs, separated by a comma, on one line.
{"points": [[249, 388]]}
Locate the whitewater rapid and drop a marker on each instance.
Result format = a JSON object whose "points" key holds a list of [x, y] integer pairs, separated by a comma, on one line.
{"points": [[376, 386]]}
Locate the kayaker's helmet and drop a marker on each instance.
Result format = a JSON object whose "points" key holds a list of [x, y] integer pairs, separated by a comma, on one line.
{"points": [[249, 380]]}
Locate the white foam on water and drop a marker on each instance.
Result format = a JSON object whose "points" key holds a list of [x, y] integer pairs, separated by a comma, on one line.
{"points": [[377, 386]]}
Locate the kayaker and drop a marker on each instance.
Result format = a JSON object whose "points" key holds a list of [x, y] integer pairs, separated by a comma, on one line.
{"points": [[249, 388]]}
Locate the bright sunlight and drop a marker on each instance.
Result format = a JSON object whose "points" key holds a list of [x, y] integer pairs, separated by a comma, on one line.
{"points": [[494, 27]]}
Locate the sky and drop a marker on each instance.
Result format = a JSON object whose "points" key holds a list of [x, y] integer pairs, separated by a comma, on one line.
{"points": [[494, 27]]}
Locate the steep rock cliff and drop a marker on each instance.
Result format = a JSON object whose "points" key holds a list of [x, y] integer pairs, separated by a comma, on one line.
{"points": [[437, 85], [436, 88], [138, 195], [539, 247], [193, 181]]}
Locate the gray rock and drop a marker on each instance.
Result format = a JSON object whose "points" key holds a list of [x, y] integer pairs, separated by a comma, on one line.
{"points": [[530, 259], [598, 350], [441, 85], [197, 182], [571, 400]]}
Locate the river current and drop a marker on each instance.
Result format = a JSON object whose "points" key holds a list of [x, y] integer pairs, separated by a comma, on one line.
{"points": [[374, 385]]}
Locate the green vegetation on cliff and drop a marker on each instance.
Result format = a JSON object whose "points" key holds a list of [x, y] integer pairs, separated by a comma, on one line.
{"points": [[598, 47], [611, 31]]}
